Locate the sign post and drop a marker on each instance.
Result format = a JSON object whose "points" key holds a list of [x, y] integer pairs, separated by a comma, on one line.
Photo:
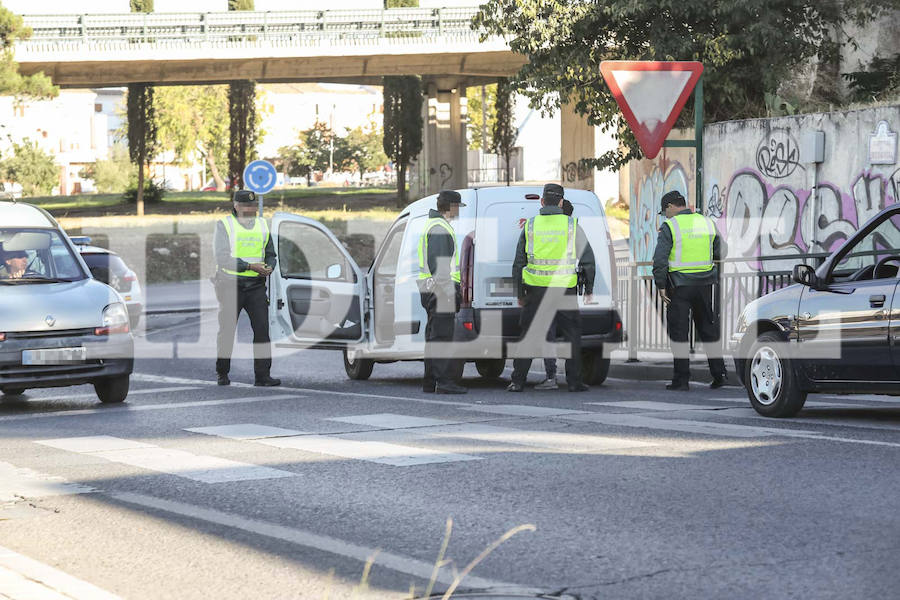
{"points": [[260, 177], [651, 95]]}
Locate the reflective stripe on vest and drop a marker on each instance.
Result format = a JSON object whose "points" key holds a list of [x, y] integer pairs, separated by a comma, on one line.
{"points": [[247, 244], [692, 243], [550, 249], [424, 270]]}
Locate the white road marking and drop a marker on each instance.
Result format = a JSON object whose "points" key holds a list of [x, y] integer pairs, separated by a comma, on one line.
{"points": [[749, 413], [127, 408], [206, 469], [23, 578], [244, 431], [420, 428], [521, 410], [338, 547], [661, 406], [376, 452], [16, 482]]}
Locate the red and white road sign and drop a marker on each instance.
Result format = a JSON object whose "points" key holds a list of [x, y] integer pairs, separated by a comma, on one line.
{"points": [[651, 95]]}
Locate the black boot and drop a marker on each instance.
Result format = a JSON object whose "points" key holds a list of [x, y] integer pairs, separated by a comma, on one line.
{"points": [[222, 379], [266, 381]]}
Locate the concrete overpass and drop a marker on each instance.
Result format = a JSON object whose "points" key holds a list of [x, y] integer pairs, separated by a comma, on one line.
{"points": [[340, 46]]}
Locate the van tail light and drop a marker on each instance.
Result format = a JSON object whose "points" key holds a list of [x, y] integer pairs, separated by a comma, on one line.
{"points": [[469, 325], [110, 330], [618, 325], [130, 277], [2, 337]]}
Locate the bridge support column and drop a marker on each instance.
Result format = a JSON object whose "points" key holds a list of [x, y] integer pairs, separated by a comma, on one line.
{"points": [[443, 162], [577, 142]]}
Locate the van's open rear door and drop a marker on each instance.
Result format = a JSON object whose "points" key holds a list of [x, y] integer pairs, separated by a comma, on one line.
{"points": [[317, 289]]}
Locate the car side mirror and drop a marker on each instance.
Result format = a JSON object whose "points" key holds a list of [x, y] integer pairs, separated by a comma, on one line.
{"points": [[806, 275], [334, 272]]}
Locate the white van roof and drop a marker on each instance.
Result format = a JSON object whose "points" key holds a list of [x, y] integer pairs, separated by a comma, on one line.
{"points": [[18, 214]]}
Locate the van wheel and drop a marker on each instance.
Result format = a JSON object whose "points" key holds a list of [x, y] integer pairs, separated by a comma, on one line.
{"points": [[490, 368], [594, 367], [112, 390], [770, 380], [13, 391], [358, 368]]}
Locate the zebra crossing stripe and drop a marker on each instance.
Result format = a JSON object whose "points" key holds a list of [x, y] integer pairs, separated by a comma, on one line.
{"points": [[375, 452], [18, 482], [206, 469], [23, 578]]}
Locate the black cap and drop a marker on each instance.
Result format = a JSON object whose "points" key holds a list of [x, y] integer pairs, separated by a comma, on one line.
{"points": [[673, 197], [553, 192], [244, 196], [567, 208], [446, 198]]}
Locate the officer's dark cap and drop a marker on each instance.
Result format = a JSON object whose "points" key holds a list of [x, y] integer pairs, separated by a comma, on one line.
{"points": [[553, 193], [446, 198], [673, 197], [244, 196]]}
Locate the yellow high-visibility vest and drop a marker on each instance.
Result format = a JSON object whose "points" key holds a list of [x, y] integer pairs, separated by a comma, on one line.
{"points": [[550, 248], [424, 271], [692, 243], [247, 244]]}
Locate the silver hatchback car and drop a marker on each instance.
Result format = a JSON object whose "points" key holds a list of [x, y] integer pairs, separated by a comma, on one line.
{"points": [[58, 326]]}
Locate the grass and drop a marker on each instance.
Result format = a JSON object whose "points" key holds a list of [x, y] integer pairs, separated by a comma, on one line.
{"points": [[617, 213]]}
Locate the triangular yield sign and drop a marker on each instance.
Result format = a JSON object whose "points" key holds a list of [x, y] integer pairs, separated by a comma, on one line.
{"points": [[651, 95]]}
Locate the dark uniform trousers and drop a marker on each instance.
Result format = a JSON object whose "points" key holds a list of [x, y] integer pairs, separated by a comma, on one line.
{"points": [[234, 298], [440, 327], [696, 301], [568, 324]]}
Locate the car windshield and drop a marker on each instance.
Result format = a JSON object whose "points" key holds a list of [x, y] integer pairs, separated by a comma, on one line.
{"points": [[105, 267], [36, 256]]}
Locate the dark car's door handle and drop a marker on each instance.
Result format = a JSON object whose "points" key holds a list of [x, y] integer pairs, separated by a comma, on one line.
{"points": [[877, 301]]}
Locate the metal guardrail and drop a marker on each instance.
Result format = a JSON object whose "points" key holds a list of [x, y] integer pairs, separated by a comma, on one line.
{"points": [[644, 313], [243, 27]]}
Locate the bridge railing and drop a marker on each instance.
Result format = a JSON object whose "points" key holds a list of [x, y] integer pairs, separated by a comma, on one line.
{"points": [[247, 26]]}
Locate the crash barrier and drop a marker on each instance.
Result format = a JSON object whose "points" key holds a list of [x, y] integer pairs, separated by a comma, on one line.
{"points": [[249, 27], [741, 281]]}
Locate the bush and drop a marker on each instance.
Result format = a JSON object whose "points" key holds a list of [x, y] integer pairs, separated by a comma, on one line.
{"points": [[31, 167], [112, 176], [152, 191]]}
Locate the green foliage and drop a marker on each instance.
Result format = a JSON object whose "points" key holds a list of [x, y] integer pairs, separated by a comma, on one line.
{"points": [[401, 3], [242, 128], [31, 167], [366, 150], [141, 122], [153, 192], [113, 174], [505, 132], [145, 6], [402, 125], [880, 80], [11, 81], [240, 4], [480, 138], [748, 47]]}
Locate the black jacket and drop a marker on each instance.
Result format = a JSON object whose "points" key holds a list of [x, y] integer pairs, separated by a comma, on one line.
{"points": [[661, 275], [582, 250], [440, 253], [225, 260]]}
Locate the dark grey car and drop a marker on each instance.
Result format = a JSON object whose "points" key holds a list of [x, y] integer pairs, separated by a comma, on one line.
{"points": [[836, 331]]}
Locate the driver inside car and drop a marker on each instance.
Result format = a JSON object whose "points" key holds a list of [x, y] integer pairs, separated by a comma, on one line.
{"points": [[16, 263]]}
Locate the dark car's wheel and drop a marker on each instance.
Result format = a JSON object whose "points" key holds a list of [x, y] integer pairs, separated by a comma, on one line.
{"points": [[13, 391], [594, 367], [112, 390], [770, 380], [358, 368], [490, 368]]}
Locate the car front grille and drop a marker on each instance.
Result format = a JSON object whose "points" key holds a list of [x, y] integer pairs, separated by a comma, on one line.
{"points": [[60, 333]]}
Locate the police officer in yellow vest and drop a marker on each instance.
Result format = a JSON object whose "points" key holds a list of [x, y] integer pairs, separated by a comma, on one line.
{"points": [[551, 249], [245, 257], [684, 270], [440, 292]]}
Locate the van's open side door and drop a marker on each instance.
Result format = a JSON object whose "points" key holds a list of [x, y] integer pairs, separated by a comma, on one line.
{"points": [[317, 292]]}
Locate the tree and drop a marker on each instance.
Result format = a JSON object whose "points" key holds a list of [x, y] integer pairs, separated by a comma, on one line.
{"points": [[140, 120], [111, 175], [402, 126], [505, 132], [191, 123], [482, 115], [242, 118], [31, 167], [11, 81], [366, 149], [749, 47]]}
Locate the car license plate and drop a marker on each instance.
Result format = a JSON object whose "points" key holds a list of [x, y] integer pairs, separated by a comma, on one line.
{"points": [[53, 356]]}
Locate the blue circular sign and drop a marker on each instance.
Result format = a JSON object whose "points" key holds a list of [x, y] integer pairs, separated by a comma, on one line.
{"points": [[260, 176]]}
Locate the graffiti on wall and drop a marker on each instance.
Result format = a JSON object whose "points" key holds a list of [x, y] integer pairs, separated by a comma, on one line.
{"points": [[574, 172], [659, 177], [778, 154], [763, 219]]}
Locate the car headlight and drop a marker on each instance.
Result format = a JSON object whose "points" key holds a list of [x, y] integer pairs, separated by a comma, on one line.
{"points": [[115, 320]]}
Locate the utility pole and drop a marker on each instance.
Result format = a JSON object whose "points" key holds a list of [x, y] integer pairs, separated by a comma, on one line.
{"points": [[331, 141]]}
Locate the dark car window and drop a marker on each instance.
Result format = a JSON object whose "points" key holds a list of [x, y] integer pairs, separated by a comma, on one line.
{"points": [[105, 266], [864, 254]]}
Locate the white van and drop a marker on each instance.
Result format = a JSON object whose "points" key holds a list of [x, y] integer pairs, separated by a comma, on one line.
{"points": [[320, 298]]}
